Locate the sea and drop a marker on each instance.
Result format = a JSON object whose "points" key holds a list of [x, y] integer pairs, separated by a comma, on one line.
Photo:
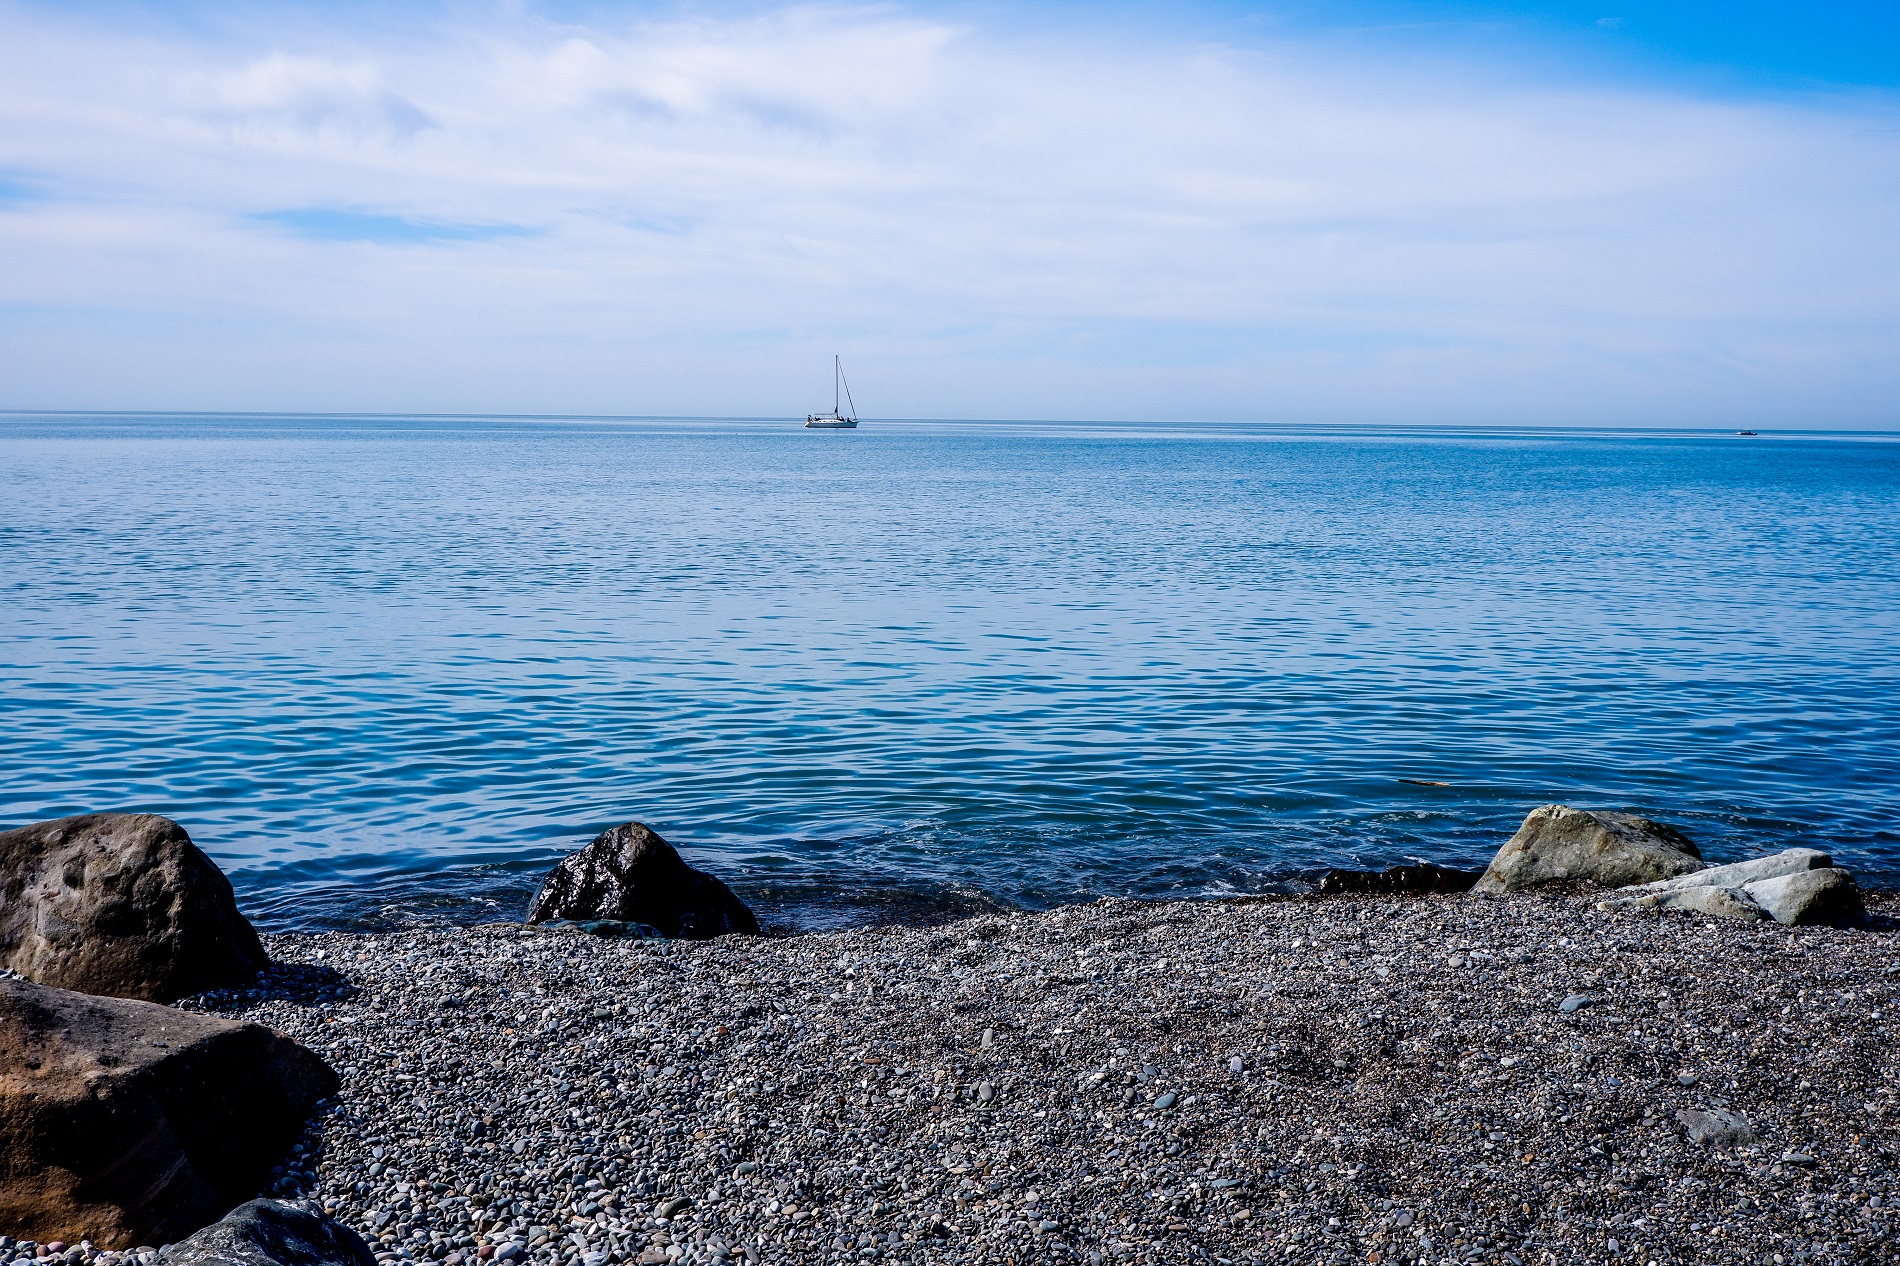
{"points": [[387, 670]]}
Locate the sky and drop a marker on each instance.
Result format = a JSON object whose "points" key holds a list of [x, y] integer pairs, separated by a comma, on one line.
{"points": [[1369, 211]]}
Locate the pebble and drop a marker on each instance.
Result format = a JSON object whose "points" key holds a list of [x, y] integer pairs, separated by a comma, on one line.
{"points": [[605, 1102]]}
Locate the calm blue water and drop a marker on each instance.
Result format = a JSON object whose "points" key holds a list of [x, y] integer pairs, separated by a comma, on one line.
{"points": [[386, 669]]}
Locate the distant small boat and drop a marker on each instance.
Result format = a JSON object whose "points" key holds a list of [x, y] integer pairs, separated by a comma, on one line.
{"points": [[1745, 432], [836, 420]]}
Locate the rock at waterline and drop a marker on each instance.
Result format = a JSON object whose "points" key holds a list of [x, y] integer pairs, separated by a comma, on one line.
{"points": [[131, 1123], [270, 1233], [629, 874], [120, 904], [1421, 878], [1557, 842]]}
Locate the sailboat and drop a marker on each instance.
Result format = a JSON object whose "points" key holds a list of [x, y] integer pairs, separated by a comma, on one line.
{"points": [[835, 420]]}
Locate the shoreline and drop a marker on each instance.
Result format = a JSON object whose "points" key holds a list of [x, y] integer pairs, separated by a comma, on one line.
{"points": [[1312, 1079]]}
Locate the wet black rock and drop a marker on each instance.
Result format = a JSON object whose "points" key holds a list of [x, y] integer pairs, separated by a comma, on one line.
{"points": [[1422, 878], [628, 874], [270, 1233], [120, 904]]}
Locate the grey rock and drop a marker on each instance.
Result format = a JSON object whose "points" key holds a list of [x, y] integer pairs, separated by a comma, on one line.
{"points": [[1557, 842], [120, 904], [1166, 1101], [1797, 1158], [1705, 899], [628, 874], [1576, 1002], [606, 929], [1716, 1127], [1810, 897], [132, 1123], [1788, 861], [270, 1233]]}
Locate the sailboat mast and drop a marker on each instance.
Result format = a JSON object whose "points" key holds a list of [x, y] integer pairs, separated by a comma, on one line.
{"points": [[837, 372]]}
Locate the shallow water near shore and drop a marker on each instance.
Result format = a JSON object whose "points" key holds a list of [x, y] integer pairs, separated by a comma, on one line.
{"points": [[388, 669]]}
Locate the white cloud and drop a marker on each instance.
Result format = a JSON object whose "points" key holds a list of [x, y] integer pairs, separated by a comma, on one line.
{"points": [[281, 101], [986, 223]]}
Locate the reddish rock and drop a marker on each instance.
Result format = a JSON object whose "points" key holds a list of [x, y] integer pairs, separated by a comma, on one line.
{"points": [[132, 1123]]}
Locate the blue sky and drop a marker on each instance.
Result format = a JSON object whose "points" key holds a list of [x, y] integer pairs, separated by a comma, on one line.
{"points": [[1384, 211], [1740, 45]]}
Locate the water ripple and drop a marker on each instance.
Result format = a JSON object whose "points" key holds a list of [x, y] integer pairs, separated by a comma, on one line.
{"points": [[389, 669]]}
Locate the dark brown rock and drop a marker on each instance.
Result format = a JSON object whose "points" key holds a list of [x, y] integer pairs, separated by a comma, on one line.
{"points": [[629, 874], [121, 904], [1421, 878], [132, 1123], [270, 1233]]}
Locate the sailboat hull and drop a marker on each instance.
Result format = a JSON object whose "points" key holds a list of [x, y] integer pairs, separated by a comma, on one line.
{"points": [[833, 424]]}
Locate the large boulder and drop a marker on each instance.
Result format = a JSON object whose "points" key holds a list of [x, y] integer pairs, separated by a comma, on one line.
{"points": [[1557, 842], [122, 904], [132, 1123], [270, 1233], [628, 874]]}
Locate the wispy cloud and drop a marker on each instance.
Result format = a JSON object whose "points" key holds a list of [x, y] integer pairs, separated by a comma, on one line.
{"points": [[689, 214], [332, 224]]}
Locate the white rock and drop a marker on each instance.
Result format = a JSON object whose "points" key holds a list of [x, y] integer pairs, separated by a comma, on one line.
{"points": [[1813, 896], [1790, 861], [1716, 1127], [1717, 902]]}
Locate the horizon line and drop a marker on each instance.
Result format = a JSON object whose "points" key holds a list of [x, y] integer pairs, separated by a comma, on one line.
{"points": [[1704, 429]]}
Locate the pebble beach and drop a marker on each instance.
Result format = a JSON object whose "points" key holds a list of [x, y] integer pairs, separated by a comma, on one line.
{"points": [[1350, 1079]]}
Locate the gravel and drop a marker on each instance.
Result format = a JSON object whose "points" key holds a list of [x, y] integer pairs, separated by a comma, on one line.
{"points": [[1339, 1079]]}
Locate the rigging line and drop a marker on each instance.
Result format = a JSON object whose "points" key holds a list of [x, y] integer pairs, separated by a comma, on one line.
{"points": [[847, 391]]}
